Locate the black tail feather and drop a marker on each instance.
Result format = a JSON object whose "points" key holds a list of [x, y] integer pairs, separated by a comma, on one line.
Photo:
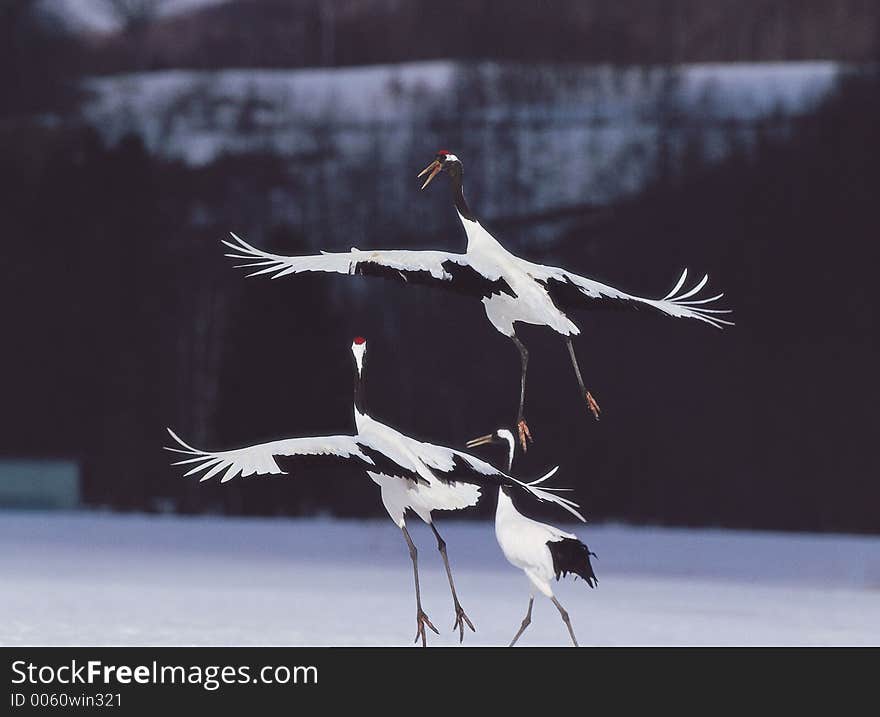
{"points": [[572, 556]]}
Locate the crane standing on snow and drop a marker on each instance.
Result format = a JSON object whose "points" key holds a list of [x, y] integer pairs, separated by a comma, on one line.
{"points": [[539, 550], [412, 475]]}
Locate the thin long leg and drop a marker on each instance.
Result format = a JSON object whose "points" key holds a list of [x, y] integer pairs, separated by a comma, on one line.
{"points": [[460, 617], [565, 620], [591, 402], [525, 623], [521, 425], [421, 618]]}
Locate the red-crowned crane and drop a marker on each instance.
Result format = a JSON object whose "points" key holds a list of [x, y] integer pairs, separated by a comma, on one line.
{"points": [[539, 550], [512, 289], [412, 475]]}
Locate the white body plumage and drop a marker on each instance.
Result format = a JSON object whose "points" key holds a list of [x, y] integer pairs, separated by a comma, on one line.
{"points": [[400, 494], [524, 543], [531, 303], [540, 550]]}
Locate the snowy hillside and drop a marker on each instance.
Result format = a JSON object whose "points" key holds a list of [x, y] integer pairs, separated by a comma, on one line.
{"points": [[85, 578], [98, 16], [534, 139], [197, 115]]}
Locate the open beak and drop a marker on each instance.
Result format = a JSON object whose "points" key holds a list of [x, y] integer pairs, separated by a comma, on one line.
{"points": [[433, 168], [481, 441]]}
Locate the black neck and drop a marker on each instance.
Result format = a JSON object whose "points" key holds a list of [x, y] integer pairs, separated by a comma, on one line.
{"points": [[359, 392], [455, 176]]}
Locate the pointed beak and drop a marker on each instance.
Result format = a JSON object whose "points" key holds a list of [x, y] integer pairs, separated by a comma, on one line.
{"points": [[481, 441], [433, 168]]}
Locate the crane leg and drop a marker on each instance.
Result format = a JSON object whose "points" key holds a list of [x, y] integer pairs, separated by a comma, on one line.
{"points": [[460, 617], [565, 619], [521, 426], [421, 618], [525, 623], [591, 402]]}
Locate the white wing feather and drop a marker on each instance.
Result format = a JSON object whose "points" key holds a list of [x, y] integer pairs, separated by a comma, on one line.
{"points": [[277, 265], [442, 458], [260, 459], [673, 304], [435, 462]]}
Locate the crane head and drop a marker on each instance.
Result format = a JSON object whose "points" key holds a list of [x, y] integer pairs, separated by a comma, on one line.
{"points": [[359, 348], [444, 161], [502, 435]]}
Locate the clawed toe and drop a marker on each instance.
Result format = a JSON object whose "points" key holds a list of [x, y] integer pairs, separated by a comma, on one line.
{"points": [[461, 619], [421, 621]]}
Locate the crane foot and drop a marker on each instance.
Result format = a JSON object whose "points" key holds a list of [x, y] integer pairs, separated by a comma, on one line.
{"points": [[593, 406], [525, 436]]}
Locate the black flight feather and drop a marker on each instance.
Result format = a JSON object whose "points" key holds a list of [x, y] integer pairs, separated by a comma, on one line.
{"points": [[464, 278]]}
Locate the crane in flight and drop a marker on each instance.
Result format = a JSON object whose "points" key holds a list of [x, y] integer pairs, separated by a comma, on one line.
{"points": [[511, 289]]}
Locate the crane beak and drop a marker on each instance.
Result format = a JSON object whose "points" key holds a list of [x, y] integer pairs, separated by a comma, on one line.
{"points": [[433, 168], [481, 441]]}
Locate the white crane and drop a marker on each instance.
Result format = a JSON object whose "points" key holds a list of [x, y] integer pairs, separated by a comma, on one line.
{"points": [[412, 475], [511, 289], [539, 550]]}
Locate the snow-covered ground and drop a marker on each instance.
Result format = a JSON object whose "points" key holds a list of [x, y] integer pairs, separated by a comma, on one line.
{"points": [[87, 578]]}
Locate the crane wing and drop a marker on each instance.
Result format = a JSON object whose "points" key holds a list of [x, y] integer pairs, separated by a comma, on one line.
{"points": [[569, 290], [452, 466], [451, 271], [261, 459]]}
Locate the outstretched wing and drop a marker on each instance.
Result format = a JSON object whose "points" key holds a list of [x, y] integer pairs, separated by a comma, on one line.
{"points": [[452, 466], [569, 290], [262, 458], [451, 271]]}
